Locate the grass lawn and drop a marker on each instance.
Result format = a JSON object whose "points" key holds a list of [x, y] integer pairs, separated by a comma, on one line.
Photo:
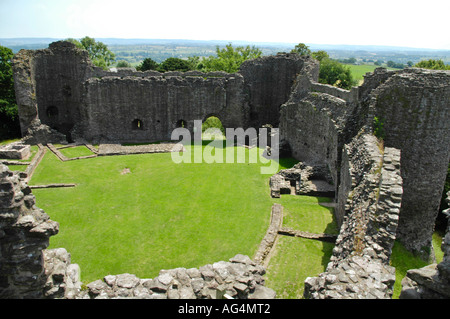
{"points": [[161, 215], [358, 71], [76, 151], [404, 260], [294, 259]]}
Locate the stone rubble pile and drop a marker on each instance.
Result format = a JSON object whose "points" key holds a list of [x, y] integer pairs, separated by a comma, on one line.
{"points": [[240, 278], [357, 277]]}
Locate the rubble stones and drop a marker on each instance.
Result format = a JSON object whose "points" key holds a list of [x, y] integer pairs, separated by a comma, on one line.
{"points": [[240, 277], [357, 277], [24, 233]]}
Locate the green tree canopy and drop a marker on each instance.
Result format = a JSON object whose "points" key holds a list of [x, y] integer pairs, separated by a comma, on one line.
{"points": [[9, 119], [320, 55], [98, 51], [334, 73], [229, 59], [123, 64], [301, 49], [432, 64], [174, 64], [147, 64]]}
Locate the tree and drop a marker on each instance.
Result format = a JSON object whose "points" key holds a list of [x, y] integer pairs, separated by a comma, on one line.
{"points": [[229, 59], [9, 119], [123, 64], [195, 63], [174, 64], [432, 64], [147, 64], [98, 51], [392, 64], [301, 49], [334, 73], [320, 55]]}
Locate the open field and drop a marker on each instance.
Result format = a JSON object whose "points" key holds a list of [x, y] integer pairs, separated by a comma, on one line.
{"points": [[358, 71], [294, 259]]}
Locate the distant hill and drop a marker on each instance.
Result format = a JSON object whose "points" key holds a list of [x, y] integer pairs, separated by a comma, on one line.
{"points": [[135, 50], [26, 42]]}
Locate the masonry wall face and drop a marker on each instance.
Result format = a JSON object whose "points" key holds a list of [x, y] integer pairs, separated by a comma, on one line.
{"points": [[64, 90], [414, 107], [157, 105]]}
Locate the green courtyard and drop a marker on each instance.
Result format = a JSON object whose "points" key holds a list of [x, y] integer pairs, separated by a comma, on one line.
{"points": [[143, 213]]}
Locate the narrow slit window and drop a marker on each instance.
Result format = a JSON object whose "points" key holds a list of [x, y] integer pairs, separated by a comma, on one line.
{"points": [[137, 125]]}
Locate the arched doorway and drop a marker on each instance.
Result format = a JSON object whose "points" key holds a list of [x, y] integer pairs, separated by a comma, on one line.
{"points": [[212, 128]]}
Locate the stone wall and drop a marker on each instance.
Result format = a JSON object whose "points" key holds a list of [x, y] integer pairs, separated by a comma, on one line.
{"points": [[239, 278], [61, 88], [268, 84], [24, 234], [313, 135], [368, 208], [413, 106], [160, 103]]}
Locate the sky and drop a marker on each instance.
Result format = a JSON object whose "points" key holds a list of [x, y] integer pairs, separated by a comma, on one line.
{"points": [[418, 24]]}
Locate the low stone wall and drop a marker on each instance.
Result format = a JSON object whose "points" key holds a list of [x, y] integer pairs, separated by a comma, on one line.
{"points": [[117, 149], [276, 221], [15, 151], [369, 204], [240, 278]]}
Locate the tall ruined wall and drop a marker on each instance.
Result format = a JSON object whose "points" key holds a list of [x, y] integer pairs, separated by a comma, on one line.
{"points": [[413, 106], [53, 79], [368, 207], [62, 88], [369, 199], [24, 234], [159, 103], [311, 133], [269, 81]]}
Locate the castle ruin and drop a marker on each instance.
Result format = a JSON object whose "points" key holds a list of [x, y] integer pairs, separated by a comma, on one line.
{"points": [[383, 191]]}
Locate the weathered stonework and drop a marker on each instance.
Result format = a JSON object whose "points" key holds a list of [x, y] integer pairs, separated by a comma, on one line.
{"points": [[302, 179], [62, 88], [412, 107], [24, 234], [239, 278], [15, 151], [368, 205]]}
